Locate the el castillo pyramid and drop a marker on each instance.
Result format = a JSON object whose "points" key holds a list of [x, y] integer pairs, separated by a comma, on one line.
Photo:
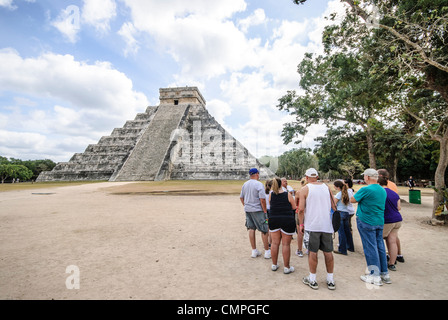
{"points": [[176, 140]]}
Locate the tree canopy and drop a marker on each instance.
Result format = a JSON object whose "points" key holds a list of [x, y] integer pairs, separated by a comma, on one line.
{"points": [[395, 50]]}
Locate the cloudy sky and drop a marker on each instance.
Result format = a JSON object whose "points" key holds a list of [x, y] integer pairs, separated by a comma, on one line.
{"points": [[72, 71]]}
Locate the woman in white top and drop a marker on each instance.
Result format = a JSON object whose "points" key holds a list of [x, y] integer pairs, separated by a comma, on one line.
{"points": [[344, 206]]}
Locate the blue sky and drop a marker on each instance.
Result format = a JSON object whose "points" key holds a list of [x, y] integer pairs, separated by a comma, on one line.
{"points": [[72, 71]]}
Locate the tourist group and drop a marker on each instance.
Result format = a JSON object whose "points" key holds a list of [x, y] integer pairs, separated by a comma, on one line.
{"points": [[279, 212]]}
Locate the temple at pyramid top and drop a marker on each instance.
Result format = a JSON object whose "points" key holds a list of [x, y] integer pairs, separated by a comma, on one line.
{"points": [[178, 140], [182, 95]]}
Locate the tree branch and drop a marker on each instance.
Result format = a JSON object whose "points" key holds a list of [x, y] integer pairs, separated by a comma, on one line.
{"points": [[363, 14]]}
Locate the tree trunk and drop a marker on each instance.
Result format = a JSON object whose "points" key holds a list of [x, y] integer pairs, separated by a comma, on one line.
{"points": [[393, 171], [370, 143], [439, 177]]}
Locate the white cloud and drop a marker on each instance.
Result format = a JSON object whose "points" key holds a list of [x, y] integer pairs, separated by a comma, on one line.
{"points": [[69, 23], [257, 18], [92, 98], [86, 86], [99, 13], [31, 146], [128, 32], [257, 92], [8, 4], [199, 35], [210, 41], [219, 110]]}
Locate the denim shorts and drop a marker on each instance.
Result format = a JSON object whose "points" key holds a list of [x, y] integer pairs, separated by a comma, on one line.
{"points": [[256, 221]]}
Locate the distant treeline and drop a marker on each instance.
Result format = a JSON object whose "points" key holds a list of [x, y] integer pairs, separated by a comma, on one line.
{"points": [[20, 170]]}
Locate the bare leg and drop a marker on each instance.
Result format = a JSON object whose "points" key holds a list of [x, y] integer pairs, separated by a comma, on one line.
{"points": [[391, 242], [275, 244], [265, 239], [398, 246], [329, 261], [312, 261], [253, 243], [286, 249]]}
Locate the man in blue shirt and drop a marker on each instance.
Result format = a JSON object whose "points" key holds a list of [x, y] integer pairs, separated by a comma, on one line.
{"points": [[370, 221]]}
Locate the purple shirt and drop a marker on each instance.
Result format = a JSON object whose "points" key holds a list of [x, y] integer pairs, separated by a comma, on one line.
{"points": [[391, 213]]}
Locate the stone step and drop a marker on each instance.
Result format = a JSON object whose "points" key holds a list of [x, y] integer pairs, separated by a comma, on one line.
{"points": [[108, 149], [145, 161], [117, 140], [126, 132]]}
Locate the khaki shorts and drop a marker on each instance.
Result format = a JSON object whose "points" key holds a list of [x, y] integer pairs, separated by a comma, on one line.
{"points": [[391, 227]]}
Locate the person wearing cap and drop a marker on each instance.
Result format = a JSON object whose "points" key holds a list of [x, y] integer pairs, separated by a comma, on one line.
{"points": [[253, 198], [371, 201], [392, 186], [314, 209]]}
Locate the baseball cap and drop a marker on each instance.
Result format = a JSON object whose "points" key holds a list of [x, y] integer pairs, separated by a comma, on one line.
{"points": [[371, 173], [253, 171], [311, 172]]}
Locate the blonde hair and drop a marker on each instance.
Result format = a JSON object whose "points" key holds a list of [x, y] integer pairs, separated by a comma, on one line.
{"points": [[276, 185]]}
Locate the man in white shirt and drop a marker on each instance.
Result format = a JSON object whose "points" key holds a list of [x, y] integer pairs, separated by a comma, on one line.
{"points": [[253, 198], [314, 208], [286, 187]]}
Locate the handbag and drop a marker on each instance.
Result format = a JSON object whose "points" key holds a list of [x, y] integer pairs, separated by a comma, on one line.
{"points": [[335, 215]]}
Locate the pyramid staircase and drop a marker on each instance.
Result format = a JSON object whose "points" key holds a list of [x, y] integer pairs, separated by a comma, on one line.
{"points": [[176, 140]]}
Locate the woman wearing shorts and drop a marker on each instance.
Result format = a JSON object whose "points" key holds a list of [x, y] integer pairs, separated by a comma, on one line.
{"points": [[282, 224], [392, 222]]}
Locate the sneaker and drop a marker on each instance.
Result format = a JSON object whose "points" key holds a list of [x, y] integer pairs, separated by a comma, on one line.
{"points": [[392, 267], [386, 278], [255, 253], [299, 253], [331, 285], [368, 278], [267, 254], [274, 267], [312, 285], [400, 259], [288, 270]]}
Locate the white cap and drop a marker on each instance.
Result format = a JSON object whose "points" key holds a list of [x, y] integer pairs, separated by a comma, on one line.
{"points": [[311, 172], [371, 173]]}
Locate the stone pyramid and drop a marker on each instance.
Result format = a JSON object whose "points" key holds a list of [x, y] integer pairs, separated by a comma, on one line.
{"points": [[176, 140]]}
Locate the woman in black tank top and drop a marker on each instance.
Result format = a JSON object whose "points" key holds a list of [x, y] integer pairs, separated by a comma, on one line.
{"points": [[282, 224]]}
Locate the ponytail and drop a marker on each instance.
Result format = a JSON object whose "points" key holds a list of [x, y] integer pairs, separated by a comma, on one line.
{"points": [[344, 191], [276, 184]]}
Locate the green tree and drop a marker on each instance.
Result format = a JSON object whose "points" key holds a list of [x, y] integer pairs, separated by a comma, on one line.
{"points": [[351, 168], [295, 162], [337, 88], [339, 146], [409, 41], [14, 171], [34, 166]]}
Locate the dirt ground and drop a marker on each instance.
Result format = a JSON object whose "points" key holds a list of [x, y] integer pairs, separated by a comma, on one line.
{"points": [[177, 245]]}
